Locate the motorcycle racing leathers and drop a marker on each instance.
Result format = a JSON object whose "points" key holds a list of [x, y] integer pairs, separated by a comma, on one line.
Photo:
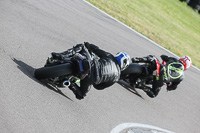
{"points": [[171, 73], [104, 71]]}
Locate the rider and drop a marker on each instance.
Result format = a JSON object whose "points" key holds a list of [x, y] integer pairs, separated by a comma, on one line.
{"points": [[171, 72], [102, 72]]}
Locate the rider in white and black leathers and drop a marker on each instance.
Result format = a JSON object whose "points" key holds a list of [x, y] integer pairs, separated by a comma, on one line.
{"points": [[103, 72], [171, 73]]}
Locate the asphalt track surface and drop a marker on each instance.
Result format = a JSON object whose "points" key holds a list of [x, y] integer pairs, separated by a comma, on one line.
{"points": [[31, 30]]}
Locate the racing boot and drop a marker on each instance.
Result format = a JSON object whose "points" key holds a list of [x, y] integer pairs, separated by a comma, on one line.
{"points": [[149, 92], [76, 90]]}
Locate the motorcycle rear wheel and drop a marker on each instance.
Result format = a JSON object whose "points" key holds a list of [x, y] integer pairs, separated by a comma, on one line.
{"points": [[53, 71]]}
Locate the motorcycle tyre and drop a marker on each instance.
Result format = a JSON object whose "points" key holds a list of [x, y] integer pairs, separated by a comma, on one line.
{"points": [[53, 71]]}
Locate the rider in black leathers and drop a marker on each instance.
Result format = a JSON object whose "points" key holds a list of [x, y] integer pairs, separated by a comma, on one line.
{"points": [[171, 73], [103, 72]]}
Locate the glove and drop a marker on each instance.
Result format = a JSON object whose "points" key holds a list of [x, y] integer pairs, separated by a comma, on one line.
{"points": [[171, 88], [150, 59], [149, 92], [135, 59]]}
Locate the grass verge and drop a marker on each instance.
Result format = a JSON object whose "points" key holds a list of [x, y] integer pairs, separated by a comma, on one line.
{"points": [[170, 23]]}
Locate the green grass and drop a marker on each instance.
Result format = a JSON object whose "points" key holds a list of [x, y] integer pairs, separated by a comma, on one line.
{"points": [[170, 23]]}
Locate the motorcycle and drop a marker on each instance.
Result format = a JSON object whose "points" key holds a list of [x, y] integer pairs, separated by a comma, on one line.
{"points": [[60, 72], [59, 69], [138, 75]]}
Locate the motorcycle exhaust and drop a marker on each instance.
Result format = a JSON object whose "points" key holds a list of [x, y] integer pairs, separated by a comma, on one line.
{"points": [[66, 83]]}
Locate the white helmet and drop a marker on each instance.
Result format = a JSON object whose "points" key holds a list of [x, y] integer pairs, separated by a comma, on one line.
{"points": [[123, 60], [187, 62]]}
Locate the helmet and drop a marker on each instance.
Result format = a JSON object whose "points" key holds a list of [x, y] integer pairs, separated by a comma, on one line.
{"points": [[187, 62], [123, 60]]}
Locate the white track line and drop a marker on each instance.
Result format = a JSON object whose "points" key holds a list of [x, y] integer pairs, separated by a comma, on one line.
{"points": [[123, 126], [137, 32]]}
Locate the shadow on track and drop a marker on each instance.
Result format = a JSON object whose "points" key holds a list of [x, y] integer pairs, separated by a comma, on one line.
{"points": [[29, 71], [130, 89]]}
